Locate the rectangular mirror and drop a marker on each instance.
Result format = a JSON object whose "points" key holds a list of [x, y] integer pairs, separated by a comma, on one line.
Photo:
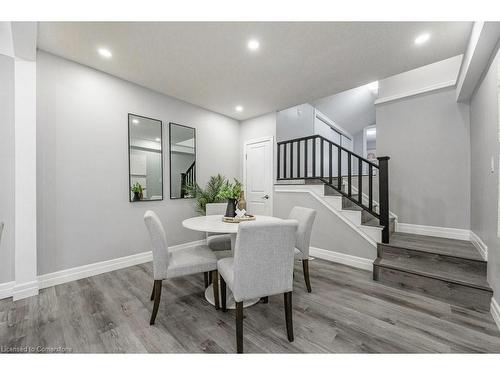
{"points": [[145, 157], [182, 159]]}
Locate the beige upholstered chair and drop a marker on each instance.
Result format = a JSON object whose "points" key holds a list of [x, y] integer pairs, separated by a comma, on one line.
{"points": [[262, 266], [305, 217], [168, 264]]}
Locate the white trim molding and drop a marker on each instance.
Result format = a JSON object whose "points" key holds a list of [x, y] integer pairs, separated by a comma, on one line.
{"points": [[76, 273], [434, 87], [25, 290], [479, 245], [342, 258], [495, 312], [6, 289], [19, 291], [427, 230]]}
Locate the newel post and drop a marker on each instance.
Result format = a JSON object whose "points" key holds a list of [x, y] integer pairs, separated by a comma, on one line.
{"points": [[383, 187]]}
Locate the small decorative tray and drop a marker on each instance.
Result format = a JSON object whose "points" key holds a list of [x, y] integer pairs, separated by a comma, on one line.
{"points": [[237, 219]]}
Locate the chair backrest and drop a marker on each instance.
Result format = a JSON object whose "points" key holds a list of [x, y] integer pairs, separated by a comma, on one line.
{"points": [[263, 259], [305, 217], [161, 255], [216, 208]]}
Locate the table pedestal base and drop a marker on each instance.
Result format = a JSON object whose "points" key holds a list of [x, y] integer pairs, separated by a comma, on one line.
{"points": [[230, 304]]}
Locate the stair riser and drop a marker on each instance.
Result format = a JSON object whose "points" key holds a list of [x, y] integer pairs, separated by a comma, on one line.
{"points": [[452, 293], [475, 266]]}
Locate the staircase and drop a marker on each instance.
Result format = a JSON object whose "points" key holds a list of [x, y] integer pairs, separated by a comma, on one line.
{"points": [[445, 269], [449, 270]]}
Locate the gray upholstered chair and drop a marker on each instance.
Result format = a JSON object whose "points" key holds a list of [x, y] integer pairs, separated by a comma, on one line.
{"points": [[169, 264], [218, 242], [305, 217], [262, 266]]}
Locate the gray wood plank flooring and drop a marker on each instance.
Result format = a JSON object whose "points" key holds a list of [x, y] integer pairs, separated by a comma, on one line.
{"points": [[437, 245], [347, 312]]}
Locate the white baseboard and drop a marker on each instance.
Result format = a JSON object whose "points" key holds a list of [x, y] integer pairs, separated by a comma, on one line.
{"points": [[10, 289], [6, 289], [348, 260], [76, 273], [495, 312], [479, 245], [427, 230], [25, 290]]}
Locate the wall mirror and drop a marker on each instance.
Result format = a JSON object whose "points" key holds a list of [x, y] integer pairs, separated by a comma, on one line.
{"points": [[182, 159], [145, 156]]}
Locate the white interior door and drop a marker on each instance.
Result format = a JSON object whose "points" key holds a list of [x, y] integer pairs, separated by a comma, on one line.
{"points": [[258, 176]]}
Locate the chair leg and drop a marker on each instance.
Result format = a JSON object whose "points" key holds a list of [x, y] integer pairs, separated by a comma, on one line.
{"points": [[205, 279], [239, 327], [288, 315], [215, 284], [305, 267], [153, 292], [157, 296], [223, 293], [264, 299]]}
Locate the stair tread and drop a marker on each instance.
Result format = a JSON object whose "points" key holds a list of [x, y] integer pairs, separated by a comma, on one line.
{"points": [[435, 245], [436, 270]]}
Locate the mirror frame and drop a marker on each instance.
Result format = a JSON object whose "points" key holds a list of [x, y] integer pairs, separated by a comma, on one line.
{"points": [[161, 158], [170, 155]]}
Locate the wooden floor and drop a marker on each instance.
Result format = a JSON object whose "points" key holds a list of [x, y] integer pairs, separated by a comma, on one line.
{"points": [[347, 312]]}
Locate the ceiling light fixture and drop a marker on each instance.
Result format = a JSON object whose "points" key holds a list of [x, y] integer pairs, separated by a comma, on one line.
{"points": [[253, 44], [422, 38], [104, 52], [135, 121], [238, 108]]}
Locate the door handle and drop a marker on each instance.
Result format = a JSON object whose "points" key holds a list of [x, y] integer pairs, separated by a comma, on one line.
{"points": [[265, 197]]}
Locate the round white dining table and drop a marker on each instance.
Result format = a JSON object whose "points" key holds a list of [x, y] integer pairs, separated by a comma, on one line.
{"points": [[214, 224]]}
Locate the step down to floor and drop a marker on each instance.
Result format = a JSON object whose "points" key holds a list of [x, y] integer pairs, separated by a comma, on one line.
{"points": [[445, 269]]}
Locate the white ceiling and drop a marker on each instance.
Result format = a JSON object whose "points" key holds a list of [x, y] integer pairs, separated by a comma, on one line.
{"points": [[208, 64]]}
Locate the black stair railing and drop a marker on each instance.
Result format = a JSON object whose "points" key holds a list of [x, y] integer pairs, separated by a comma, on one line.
{"points": [[188, 178], [317, 158]]}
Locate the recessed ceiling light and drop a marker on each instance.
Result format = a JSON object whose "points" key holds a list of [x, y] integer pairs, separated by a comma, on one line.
{"points": [[373, 87], [157, 139], [253, 44], [135, 121], [422, 38], [105, 53], [238, 108]]}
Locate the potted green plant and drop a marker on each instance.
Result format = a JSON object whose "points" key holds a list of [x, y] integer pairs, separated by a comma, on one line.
{"points": [[137, 190], [208, 195], [230, 192]]}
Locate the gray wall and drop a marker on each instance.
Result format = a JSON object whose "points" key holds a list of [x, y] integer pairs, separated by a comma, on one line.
{"points": [[351, 109], [329, 231], [484, 185], [427, 138], [7, 167], [295, 122], [83, 211]]}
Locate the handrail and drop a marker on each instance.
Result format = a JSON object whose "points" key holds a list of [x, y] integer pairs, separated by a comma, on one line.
{"points": [[287, 160], [333, 143]]}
